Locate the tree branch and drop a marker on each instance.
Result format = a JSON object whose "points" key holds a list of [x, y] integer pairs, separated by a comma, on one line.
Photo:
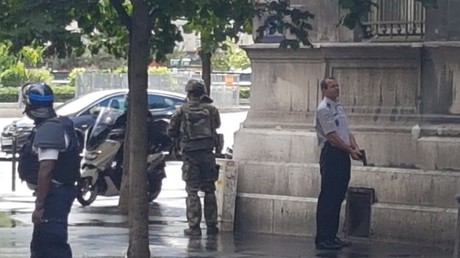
{"points": [[125, 19]]}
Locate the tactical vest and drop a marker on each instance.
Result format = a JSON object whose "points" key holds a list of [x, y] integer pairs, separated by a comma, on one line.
{"points": [[67, 169]]}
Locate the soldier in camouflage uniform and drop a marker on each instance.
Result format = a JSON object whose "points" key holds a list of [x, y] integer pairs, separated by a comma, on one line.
{"points": [[194, 127]]}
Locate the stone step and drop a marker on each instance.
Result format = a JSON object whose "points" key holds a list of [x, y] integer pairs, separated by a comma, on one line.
{"points": [[392, 185], [383, 149], [287, 215], [277, 145]]}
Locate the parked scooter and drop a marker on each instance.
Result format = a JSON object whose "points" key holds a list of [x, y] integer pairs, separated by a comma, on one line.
{"points": [[102, 164]]}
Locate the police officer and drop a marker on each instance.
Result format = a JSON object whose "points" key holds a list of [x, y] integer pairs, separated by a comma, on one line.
{"points": [[337, 144], [194, 125], [54, 145]]}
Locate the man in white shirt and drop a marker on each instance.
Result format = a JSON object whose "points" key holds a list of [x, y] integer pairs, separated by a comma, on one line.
{"points": [[337, 144]]}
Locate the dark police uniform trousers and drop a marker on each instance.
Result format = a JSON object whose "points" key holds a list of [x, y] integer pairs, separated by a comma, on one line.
{"points": [[49, 239], [335, 166]]}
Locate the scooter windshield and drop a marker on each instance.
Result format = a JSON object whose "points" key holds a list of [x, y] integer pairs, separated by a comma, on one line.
{"points": [[104, 121]]}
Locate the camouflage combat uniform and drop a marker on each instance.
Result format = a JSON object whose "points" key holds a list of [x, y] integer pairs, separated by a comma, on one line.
{"points": [[194, 126]]}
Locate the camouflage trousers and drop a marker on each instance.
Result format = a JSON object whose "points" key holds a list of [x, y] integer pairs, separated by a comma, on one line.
{"points": [[200, 174]]}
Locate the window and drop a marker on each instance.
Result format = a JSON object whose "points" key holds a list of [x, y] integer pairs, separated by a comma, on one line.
{"points": [[159, 102], [77, 104], [117, 102], [395, 19]]}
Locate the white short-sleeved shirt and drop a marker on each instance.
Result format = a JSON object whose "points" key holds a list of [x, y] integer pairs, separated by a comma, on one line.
{"points": [[330, 117], [51, 154]]}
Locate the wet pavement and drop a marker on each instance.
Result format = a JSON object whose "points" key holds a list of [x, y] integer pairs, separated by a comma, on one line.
{"points": [[100, 231]]}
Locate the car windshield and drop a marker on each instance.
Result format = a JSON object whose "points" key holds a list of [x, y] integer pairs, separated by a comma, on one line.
{"points": [[74, 105]]}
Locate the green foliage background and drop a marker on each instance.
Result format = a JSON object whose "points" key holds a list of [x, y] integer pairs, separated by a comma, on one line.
{"points": [[245, 92], [62, 93], [17, 75]]}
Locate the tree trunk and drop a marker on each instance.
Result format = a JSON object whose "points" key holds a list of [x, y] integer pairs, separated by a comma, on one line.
{"points": [[137, 75], [206, 69]]}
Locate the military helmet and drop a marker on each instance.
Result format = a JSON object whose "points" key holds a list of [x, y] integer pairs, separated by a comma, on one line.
{"points": [[194, 85], [39, 99]]}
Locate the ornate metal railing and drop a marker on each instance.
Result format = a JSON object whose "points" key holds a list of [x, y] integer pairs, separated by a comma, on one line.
{"points": [[396, 20]]}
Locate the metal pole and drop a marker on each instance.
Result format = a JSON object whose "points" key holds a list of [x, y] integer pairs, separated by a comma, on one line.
{"points": [[457, 237], [13, 162]]}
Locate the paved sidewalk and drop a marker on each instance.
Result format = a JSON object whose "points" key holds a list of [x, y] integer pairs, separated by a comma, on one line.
{"points": [[99, 231]]}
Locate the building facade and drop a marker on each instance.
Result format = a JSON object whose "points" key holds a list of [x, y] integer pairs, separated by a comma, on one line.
{"points": [[400, 83]]}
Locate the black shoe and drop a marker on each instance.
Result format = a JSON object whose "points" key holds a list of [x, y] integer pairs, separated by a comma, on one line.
{"points": [[342, 242], [328, 245], [212, 230], [192, 231]]}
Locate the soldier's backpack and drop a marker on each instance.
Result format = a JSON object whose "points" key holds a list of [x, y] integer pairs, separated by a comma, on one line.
{"points": [[197, 123]]}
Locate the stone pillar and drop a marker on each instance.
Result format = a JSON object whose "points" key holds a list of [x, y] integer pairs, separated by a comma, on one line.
{"points": [[403, 103], [325, 24], [392, 112], [441, 79], [442, 24]]}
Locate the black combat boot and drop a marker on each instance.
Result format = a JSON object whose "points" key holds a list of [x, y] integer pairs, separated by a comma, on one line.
{"points": [[195, 231]]}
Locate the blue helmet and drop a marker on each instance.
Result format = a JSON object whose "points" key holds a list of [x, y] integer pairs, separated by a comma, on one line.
{"points": [[39, 100]]}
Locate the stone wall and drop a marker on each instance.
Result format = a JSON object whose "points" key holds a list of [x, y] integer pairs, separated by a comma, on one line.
{"points": [[402, 104]]}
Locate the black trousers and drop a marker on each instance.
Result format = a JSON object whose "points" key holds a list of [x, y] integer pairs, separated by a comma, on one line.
{"points": [[49, 239], [335, 168]]}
